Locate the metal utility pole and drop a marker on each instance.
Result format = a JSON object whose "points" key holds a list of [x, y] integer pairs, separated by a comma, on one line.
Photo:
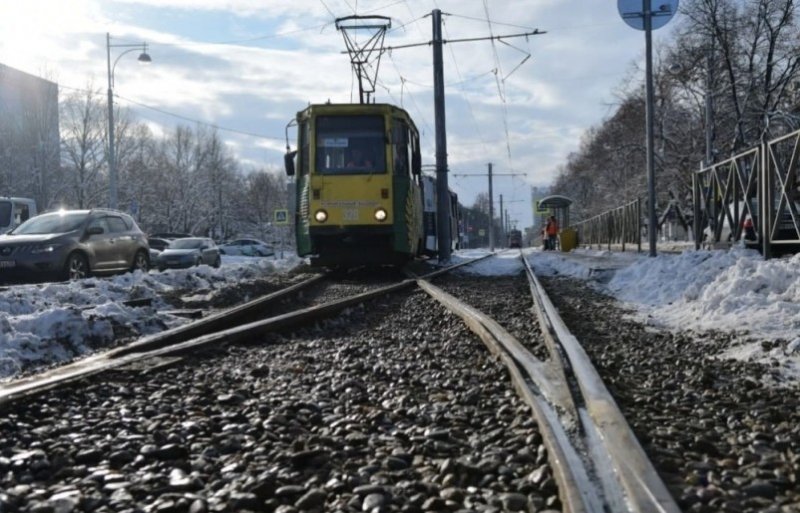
{"points": [[144, 57], [443, 196], [442, 190], [502, 221], [652, 229], [491, 211], [641, 16]]}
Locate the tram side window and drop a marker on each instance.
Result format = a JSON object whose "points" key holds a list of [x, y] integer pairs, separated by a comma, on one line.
{"points": [[400, 148], [415, 154], [304, 148]]}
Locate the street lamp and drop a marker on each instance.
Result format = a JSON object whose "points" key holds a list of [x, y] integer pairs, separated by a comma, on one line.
{"points": [[112, 165]]}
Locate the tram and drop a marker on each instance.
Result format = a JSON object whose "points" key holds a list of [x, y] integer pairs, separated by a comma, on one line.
{"points": [[357, 191]]}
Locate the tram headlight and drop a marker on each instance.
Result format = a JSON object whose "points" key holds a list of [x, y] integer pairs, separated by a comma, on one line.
{"points": [[321, 216], [380, 215]]}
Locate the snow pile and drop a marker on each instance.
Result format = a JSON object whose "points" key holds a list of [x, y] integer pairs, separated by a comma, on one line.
{"points": [[706, 290], [54, 322]]}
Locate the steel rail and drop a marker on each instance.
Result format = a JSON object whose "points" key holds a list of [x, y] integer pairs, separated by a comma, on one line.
{"points": [[634, 484], [214, 322], [536, 386]]}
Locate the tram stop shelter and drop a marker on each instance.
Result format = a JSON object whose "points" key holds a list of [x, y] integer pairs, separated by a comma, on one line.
{"points": [[558, 206]]}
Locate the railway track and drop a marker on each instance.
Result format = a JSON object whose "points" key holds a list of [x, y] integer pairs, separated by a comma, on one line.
{"points": [[390, 406], [597, 459]]}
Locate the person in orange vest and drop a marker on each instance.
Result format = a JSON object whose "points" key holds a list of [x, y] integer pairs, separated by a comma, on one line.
{"points": [[551, 229]]}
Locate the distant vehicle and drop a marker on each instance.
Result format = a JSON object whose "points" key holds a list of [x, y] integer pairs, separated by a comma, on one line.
{"points": [[171, 235], [514, 239], [247, 247], [72, 244], [157, 243], [15, 211], [189, 252]]}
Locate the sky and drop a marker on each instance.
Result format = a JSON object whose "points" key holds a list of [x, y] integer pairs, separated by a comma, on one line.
{"points": [[733, 291], [247, 66]]}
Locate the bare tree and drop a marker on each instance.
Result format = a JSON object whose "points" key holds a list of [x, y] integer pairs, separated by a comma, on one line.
{"points": [[83, 148]]}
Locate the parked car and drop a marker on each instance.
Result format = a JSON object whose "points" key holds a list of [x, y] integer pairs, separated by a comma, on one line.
{"points": [[247, 247], [171, 235], [183, 253], [158, 243], [72, 244]]}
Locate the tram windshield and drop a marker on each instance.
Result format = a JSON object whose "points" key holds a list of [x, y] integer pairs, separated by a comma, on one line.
{"points": [[350, 145]]}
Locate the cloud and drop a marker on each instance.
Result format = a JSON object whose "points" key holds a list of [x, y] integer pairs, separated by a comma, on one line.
{"points": [[282, 55]]}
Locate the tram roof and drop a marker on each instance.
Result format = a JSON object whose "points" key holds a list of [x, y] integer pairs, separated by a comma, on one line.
{"points": [[351, 108]]}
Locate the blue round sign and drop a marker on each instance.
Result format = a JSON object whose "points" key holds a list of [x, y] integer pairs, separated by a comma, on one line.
{"points": [[633, 12]]}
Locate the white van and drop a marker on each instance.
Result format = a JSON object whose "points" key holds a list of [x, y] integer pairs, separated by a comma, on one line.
{"points": [[15, 211]]}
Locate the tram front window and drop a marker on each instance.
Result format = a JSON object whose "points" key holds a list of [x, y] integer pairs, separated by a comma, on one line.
{"points": [[348, 145]]}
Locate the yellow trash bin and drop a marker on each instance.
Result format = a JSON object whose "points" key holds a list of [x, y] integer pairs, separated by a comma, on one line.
{"points": [[568, 239]]}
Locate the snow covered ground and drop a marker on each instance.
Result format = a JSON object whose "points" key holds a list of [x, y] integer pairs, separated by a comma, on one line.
{"points": [[54, 322], [735, 291]]}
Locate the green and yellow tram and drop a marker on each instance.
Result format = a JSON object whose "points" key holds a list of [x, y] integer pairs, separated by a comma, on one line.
{"points": [[357, 184]]}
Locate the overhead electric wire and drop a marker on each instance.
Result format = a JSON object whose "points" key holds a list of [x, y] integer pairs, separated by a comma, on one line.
{"points": [[413, 100], [328, 8], [482, 20], [475, 125]]}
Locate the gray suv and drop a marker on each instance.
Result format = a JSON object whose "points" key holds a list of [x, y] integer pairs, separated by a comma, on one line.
{"points": [[71, 244]]}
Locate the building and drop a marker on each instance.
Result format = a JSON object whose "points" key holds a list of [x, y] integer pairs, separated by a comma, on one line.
{"points": [[29, 136]]}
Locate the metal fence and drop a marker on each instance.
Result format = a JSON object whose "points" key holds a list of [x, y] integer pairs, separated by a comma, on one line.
{"points": [[622, 225], [754, 195], [724, 195]]}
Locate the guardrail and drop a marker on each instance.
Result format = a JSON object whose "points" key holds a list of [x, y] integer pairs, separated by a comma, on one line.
{"points": [[621, 225]]}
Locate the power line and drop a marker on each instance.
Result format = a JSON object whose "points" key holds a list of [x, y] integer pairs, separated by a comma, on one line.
{"points": [[240, 41], [197, 121], [179, 116], [466, 98]]}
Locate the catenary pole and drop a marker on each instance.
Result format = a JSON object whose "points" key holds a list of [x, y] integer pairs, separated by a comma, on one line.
{"points": [[491, 211], [443, 195], [502, 222], [491, 175]]}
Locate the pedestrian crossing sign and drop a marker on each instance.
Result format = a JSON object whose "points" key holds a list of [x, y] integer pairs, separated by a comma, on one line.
{"points": [[281, 216]]}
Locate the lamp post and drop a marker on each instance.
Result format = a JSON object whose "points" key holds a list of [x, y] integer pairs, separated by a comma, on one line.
{"points": [[112, 165]]}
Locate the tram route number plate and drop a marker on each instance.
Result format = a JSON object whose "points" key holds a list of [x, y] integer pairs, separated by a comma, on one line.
{"points": [[350, 214]]}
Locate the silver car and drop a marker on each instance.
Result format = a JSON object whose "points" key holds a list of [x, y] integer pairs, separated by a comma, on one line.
{"points": [[72, 244], [189, 252]]}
